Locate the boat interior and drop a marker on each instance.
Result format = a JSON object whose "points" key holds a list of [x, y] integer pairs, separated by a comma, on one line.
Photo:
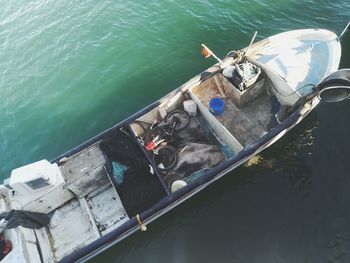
{"points": [[117, 177], [212, 138]]}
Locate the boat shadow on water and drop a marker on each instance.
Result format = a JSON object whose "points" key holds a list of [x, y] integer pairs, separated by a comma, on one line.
{"points": [[289, 158]]}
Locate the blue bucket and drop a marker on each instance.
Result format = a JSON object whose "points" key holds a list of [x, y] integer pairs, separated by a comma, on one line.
{"points": [[216, 106]]}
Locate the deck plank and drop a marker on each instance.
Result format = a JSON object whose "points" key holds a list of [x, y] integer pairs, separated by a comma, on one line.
{"points": [[81, 163], [71, 231], [107, 209]]}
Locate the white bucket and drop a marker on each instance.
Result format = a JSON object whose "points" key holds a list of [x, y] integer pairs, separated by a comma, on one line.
{"points": [[228, 72], [190, 106], [176, 185]]}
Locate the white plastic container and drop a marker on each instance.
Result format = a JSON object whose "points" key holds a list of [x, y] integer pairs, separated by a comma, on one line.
{"points": [[190, 106], [176, 185]]}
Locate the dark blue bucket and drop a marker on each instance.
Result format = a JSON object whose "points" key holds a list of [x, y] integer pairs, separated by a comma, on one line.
{"points": [[216, 106]]}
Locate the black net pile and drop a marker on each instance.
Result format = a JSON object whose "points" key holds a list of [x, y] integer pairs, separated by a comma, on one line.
{"points": [[140, 188]]}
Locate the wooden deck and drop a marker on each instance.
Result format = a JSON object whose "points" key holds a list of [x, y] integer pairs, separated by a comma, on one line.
{"points": [[247, 123], [95, 209]]}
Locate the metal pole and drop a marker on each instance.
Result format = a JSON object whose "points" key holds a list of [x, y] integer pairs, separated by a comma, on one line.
{"points": [[344, 31], [251, 42], [212, 53]]}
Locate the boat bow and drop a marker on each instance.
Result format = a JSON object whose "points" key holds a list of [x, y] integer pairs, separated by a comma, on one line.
{"points": [[302, 58]]}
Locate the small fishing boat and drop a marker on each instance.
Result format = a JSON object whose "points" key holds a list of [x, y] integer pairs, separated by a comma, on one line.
{"points": [[86, 200]]}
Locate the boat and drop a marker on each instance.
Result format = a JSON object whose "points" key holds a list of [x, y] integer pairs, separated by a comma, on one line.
{"points": [[88, 199]]}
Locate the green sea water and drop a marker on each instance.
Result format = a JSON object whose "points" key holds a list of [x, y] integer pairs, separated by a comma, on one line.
{"points": [[71, 69]]}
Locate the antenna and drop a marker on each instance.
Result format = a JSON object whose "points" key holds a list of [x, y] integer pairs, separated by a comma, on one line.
{"points": [[251, 42], [344, 31]]}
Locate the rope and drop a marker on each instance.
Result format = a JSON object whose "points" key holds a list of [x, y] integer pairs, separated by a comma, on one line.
{"points": [[143, 228], [294, 92]]}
